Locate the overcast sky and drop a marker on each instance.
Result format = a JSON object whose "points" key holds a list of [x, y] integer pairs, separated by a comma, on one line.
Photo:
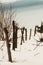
{"points": [[17, 0], [8, 0]]}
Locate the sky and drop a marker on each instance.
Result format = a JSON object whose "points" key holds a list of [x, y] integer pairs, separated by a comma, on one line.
{"points": [[17, 0], [7, 1], [33, 13]]}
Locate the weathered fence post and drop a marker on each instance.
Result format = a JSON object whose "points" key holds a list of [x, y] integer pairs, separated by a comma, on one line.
{"points": [[22, 37], [15, 29], [25, 34], [35, 31], [30, 34], [16, 36], [8, 45]]}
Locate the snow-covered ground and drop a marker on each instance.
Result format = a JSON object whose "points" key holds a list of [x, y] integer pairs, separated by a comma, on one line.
{"points": [[24, 54]]}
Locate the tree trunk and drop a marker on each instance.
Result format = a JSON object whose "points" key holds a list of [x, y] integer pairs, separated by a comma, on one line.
{"points": [[8, 45]]}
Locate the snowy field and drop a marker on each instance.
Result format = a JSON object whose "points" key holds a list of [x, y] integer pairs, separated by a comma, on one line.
{"points": [[25, 54]]}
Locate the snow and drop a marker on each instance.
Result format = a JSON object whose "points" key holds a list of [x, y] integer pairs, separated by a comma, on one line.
{"points": [[24, 54]]}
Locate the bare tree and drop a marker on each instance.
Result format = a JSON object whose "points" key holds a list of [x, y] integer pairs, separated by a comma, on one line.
{"points": [[1, 20], [6, 26], [6, 18]]}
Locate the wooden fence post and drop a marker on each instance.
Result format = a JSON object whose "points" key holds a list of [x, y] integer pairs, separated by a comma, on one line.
{"points": [[35, 31], [30, 34], [15, 29], [25, 34]]}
